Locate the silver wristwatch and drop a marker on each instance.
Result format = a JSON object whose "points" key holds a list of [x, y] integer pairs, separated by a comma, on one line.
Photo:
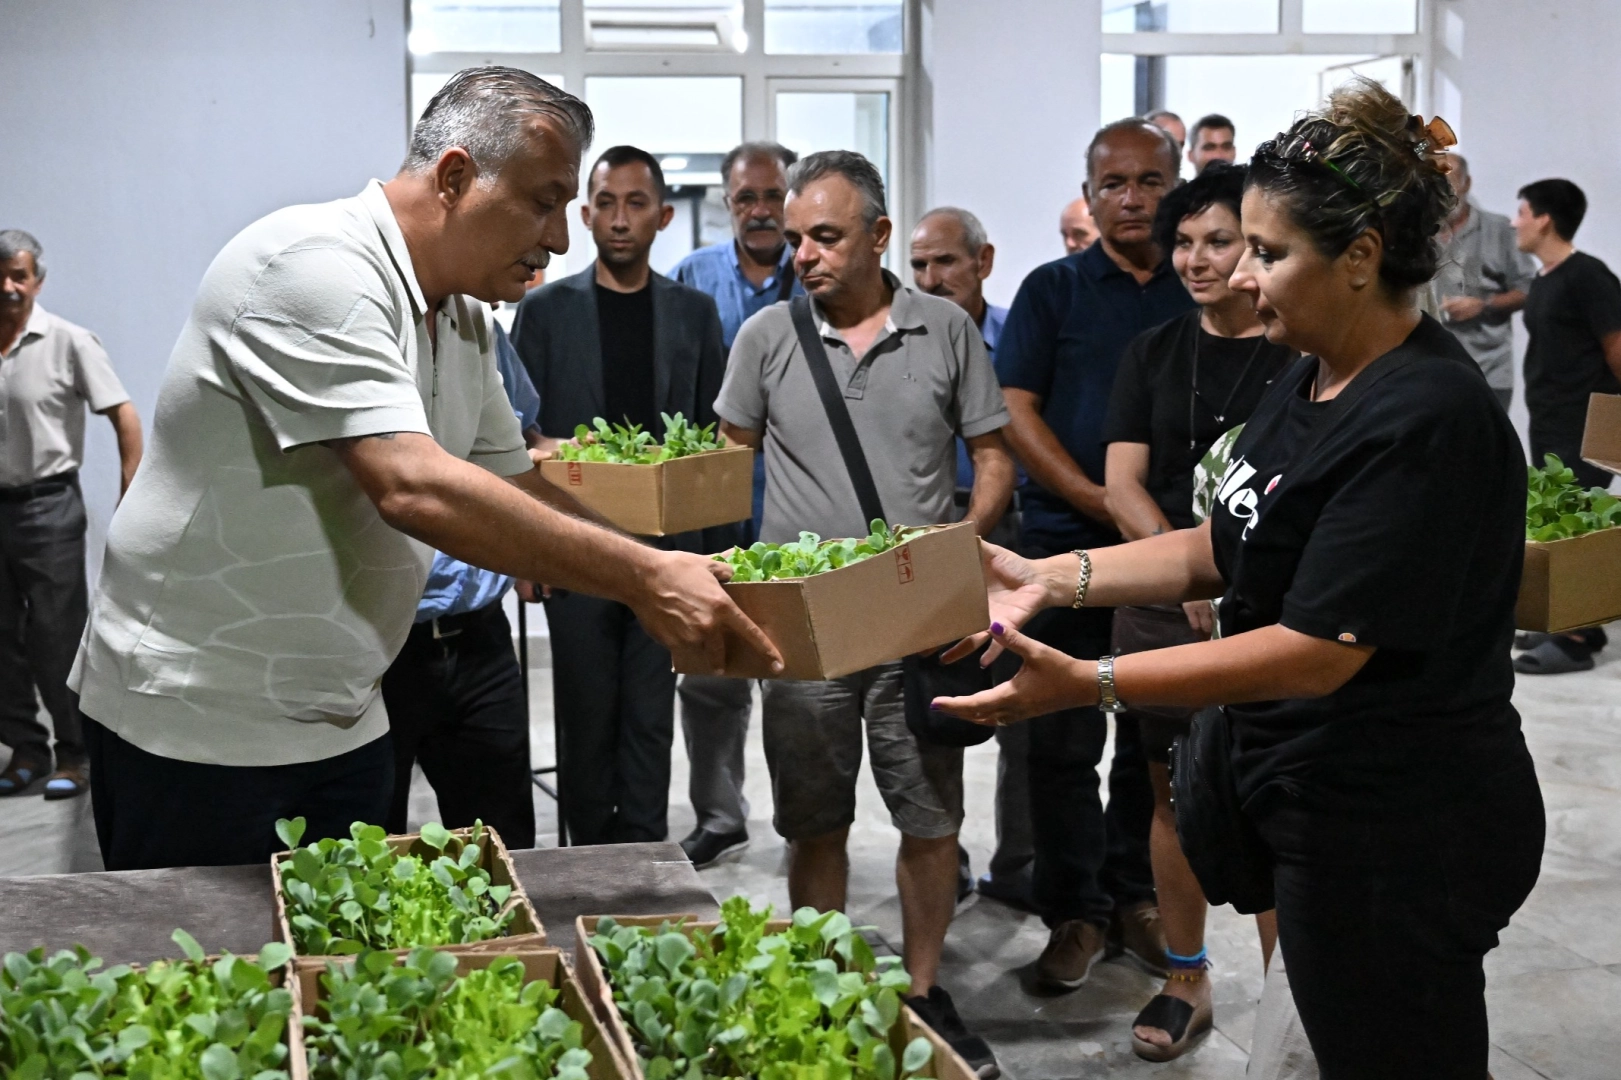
{"points": [[1107, 701]]}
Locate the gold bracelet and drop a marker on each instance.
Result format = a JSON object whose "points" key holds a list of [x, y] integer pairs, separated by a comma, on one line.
{"points": [[1084, 580]]}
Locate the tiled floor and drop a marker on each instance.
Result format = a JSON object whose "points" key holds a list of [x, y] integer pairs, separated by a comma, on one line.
{"points": [[1554, 985]]}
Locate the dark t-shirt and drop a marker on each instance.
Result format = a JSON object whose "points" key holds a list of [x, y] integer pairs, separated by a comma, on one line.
{"points": [[1403, 528], [625, 323], [1154, 400], [1568, 313], [1069, 324]]}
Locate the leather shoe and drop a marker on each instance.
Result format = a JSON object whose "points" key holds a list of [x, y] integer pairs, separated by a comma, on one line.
{"points": [[1073, 949], [706, 848], [1135, 931]]}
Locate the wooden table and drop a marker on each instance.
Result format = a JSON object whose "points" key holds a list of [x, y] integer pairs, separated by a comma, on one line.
{"points": [[127, 917]]}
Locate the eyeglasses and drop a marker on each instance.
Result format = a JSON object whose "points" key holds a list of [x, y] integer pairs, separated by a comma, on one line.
{"points": [[748, 200]]}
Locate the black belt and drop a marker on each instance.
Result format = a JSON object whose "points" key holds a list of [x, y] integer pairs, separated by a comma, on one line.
{"points": [[448, 626], [49, 485]]}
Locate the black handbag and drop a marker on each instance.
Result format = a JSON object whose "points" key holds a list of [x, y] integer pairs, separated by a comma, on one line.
{"points": [[1223, 847], [924, 678], [1227, 855]]}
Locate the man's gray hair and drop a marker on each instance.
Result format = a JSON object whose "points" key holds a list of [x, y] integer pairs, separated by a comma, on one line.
{"points": [[13, 242], [850, 165], [749, 151], [973, 232], [486, 111]]}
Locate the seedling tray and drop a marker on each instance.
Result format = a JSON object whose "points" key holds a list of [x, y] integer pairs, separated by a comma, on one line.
{"points": [[545, 964], [525, 930], [947, 1064], [715, 487]]}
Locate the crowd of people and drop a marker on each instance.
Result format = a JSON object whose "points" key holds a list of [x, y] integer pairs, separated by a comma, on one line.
{"points": [[1208, 451]]}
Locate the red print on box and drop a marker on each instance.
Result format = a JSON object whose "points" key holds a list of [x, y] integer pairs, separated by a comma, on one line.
{"points": [[574, 477], [903, 564]]}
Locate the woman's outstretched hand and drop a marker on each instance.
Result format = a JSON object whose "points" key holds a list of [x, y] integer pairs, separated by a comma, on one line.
{"points": [[1049, 681], [1016, 592]]}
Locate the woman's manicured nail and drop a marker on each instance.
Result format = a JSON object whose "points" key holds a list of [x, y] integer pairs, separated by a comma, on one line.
{"points": [[996, 628], [934, 706]]}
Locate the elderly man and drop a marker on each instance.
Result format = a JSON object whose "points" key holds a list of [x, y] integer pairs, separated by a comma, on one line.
{"points": [[1173, 125], [753, 272], [331, 414], [1076, 226], [951, 258], [915, 377], [50, 372], [1069, 324], [1211, 140], [1482, 282]]}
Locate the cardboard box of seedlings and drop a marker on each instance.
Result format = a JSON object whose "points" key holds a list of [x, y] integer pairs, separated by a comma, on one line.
{"points": [[715, 487], [946, 1065], [926, 593], [544, 964], [523, 932], [1569, 584]]}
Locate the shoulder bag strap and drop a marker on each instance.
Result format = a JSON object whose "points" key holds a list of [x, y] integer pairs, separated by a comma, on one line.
{"points": [[838, 414], [785, 282]]}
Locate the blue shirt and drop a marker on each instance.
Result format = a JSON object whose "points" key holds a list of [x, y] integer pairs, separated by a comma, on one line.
{"points": [[453, 586], [991, 331], [1063, 339], [715, 270]]}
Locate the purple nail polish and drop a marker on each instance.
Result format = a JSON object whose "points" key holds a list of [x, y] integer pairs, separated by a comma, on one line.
{"points": [[996, 628], [934, 706]]}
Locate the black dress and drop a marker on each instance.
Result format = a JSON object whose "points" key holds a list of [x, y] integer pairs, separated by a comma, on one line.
{"points": [[1402, 809]]}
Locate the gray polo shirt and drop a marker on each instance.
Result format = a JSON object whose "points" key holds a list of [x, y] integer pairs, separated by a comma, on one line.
{"points": [[1481, 260], [925, 381], [52, 373]]}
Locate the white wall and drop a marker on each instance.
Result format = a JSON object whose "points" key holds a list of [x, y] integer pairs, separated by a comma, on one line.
{"points": [[1014, 103], [140, 135]]}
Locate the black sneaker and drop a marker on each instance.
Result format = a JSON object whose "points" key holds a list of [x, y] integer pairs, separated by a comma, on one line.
{"points": [[939, 1013], [706, 848], [965, 879], [1016, 890]]}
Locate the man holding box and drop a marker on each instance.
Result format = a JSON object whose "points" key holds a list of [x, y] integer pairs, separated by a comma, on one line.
{"points": [[331, 415], [620, 342], [915, 376]]}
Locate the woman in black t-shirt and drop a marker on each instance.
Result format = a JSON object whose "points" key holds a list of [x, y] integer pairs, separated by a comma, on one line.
{"points": [[1179, 388], [1367, 545]]}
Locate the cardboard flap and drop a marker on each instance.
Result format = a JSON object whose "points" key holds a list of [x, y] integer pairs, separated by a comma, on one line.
{"points": [[1601, 439]]}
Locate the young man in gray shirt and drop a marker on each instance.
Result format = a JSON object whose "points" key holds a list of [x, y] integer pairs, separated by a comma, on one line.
{"points": [[915, 376]]}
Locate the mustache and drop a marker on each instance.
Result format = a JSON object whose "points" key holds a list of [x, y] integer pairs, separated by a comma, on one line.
{"points": [[757, 225]]}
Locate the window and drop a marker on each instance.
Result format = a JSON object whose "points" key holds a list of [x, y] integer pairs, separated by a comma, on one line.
{"points": [[528, 26], [1258, 62], [1190, 16], [687, 80], [833, 26]]}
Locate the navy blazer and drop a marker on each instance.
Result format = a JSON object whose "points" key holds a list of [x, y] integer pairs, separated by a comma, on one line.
{"points": [[558, 339]]}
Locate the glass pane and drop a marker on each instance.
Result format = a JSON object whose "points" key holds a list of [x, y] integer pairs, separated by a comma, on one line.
{"points": [[1359, 16], [485, 26], [1190, 16], [833, 26], [813, 120], [1260, 94], [666, 24], [688, 122]]}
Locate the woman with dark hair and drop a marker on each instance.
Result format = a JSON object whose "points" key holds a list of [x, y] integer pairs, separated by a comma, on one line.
{"points": [[1366, 544], [1180, 388]]}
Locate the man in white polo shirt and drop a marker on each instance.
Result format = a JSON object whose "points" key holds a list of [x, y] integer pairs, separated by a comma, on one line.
{"points": [[331, 414]]}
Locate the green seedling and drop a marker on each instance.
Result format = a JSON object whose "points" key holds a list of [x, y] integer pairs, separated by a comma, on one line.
{"points": [[1556, 508], [347, 895], [67, 1018], [622, 445], [811, 555], [807, 1003], [418, 1019]]}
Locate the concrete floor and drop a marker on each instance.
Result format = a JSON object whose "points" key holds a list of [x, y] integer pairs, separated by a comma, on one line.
{"points": [[1554, 985]]}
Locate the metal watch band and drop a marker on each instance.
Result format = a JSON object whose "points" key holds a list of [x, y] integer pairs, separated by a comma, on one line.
{"points": [[1083, 580], [1107, 701]]}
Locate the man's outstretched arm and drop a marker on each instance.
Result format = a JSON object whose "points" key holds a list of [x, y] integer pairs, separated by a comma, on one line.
{"points": [[474, 516]]}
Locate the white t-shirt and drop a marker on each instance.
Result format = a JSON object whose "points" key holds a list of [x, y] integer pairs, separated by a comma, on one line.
{"points": [[251, 596]]}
